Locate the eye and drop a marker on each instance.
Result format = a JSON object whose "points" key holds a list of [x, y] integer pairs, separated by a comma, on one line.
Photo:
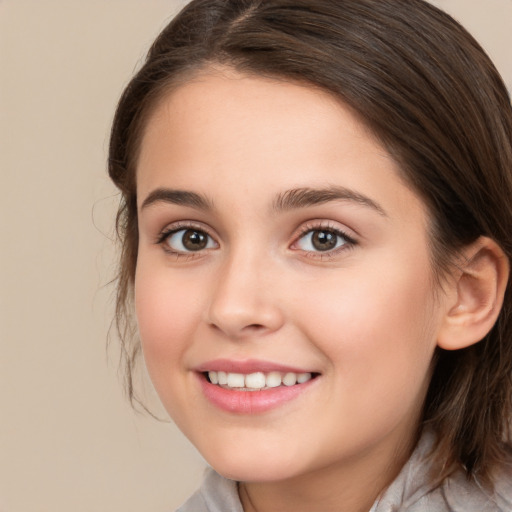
{"points": [[188, 240], [322, 240]]}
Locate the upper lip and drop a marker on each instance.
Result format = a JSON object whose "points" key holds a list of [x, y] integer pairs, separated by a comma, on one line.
{"points": [[247, 366]]}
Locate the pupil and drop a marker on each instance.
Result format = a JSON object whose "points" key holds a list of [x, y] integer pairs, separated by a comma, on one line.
{"points": [[324, 240], [194, 240]]}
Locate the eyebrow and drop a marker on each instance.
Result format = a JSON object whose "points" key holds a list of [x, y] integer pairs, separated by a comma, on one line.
{"points": [[180, 197], [290, 200], [304, 197]]}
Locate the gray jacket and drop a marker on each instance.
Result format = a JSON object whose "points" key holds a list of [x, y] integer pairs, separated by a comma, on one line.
{"points": [[410, 491]]}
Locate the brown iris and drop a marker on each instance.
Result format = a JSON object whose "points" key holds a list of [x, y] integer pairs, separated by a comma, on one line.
{"points": [[324, 240], [194, 240]]}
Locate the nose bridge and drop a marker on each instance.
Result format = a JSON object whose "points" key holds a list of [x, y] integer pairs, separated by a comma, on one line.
{"points": [[243, 301]]}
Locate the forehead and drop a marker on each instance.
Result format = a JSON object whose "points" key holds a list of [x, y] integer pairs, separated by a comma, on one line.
{"points": [[246, 108], [225, 107], [260, 135]]}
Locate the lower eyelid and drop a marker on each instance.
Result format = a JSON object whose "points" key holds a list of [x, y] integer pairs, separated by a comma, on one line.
{"points": [[164, 236], [328, 255], [349, 241]]}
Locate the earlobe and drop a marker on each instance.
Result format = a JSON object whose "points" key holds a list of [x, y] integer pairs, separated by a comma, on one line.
{"points": [[478, 291]]}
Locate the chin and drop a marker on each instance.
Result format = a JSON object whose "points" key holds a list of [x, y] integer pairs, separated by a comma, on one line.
{"points": [[255, 466], [266, 472]]}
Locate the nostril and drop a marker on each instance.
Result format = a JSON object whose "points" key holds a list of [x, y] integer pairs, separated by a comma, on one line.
{"points": [[250, 327], [254, 327]]}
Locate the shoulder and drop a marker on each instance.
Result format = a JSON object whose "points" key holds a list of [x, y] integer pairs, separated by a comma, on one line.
{"points": [[414, 490], [503, 486], [457, 489], [216, 494]]}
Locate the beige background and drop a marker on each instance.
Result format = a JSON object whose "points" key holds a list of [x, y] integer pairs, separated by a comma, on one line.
{"points": [[68, 439]]}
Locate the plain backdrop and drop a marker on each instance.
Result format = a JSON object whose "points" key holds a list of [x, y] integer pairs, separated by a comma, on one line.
{"points": [[69, 441]]}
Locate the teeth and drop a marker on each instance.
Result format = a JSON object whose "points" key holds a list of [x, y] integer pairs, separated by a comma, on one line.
{"points": [[236, 380], [303, 377], [274, 380], [290, 379], [255, 380], [258, 380]]}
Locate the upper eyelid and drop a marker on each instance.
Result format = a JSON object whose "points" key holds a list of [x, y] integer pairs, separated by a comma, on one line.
{"points": [[318, 225], [349, 241], [326, 225], [303, 229], [171, 230], [174, 227]]}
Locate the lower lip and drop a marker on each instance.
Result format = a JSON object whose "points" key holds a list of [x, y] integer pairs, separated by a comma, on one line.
{"points": [[251, 402]]}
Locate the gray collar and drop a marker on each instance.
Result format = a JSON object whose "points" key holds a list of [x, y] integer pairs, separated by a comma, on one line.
{"points": [[411, 491]]}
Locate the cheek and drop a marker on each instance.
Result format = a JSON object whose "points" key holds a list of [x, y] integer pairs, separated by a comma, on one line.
{"points": [[378, 331], [167, 312]]}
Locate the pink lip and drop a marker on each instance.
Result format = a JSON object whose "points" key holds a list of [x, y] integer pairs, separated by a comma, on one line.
{"points": [[249, 402], [246, 366]]}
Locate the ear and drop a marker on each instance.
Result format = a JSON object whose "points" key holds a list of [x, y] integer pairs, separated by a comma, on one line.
{"points": [[475, 295]]}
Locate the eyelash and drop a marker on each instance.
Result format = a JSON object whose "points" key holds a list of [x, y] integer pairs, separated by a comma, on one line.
{"points": [[350, 242], [176, 228], [306, 229]]}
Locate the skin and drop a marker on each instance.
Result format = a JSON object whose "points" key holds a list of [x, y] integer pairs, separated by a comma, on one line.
{"points": [[365, 316]]}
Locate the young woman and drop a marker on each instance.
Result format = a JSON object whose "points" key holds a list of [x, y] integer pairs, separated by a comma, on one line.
{"points": [[316, 221]]}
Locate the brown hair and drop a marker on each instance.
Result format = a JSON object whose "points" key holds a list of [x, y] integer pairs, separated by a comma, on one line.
{"points": [[429, 92]]}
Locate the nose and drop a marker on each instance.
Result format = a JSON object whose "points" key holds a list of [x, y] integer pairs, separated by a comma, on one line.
{"points": [[244, 301]]}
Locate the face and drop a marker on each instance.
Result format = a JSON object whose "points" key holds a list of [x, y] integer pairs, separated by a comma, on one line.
{"points": [[283, 288]]}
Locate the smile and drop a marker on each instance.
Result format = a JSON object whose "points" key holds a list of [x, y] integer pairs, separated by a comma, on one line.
{"points": [[252, 387], [257, 381]]}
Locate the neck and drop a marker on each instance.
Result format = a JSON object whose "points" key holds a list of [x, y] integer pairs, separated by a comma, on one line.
{"points": [[352, 486]]}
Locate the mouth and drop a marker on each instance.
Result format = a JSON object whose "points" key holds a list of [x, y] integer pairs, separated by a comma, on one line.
{"points": [[257, 381], [253, 387]]}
